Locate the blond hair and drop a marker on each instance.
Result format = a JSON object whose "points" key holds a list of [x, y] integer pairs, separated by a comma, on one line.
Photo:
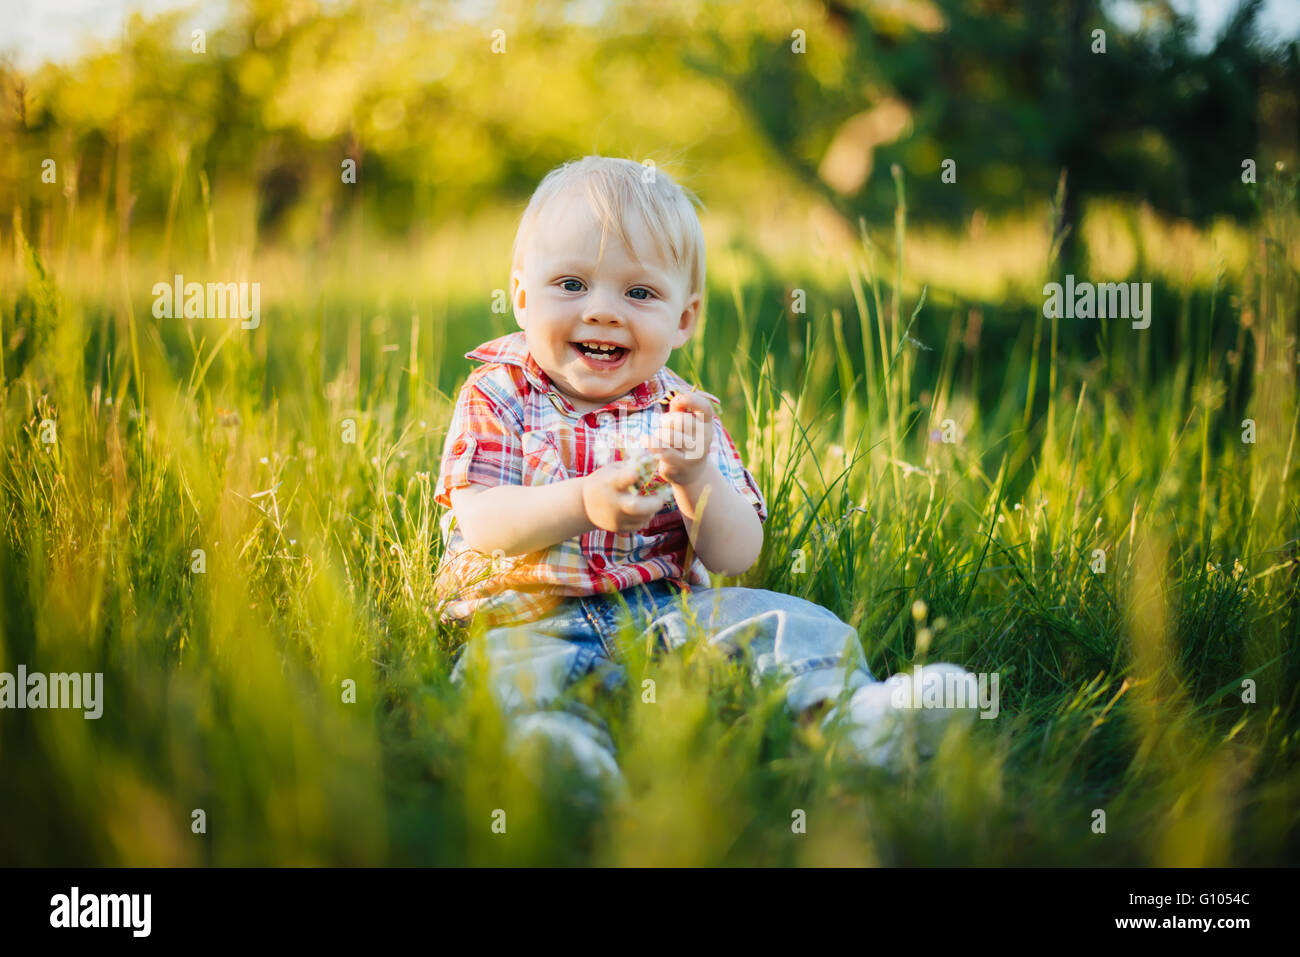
{"points": [[613, 188]]}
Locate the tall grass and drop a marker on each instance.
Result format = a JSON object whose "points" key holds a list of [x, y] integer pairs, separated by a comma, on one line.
{"points": [[226, 688]]}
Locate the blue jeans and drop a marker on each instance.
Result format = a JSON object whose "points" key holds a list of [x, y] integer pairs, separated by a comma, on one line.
{"points": [[815, 654]]}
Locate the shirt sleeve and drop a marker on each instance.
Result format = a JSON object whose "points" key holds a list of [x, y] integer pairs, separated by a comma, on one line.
{"points": [[734, 469], [481, 448]]}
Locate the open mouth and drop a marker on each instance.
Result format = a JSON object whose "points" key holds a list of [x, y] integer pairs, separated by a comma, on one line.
{"points": [[601, 355]]}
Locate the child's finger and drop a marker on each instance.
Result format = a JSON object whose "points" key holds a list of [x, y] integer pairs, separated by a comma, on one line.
{"points": [[691, 402], [643, 511], [676, 429], [655, 441], [624, 477], [634, 505], [691, 440]]}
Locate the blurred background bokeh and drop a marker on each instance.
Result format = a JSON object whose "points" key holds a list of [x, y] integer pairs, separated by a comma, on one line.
{"points": [[785, 117]]}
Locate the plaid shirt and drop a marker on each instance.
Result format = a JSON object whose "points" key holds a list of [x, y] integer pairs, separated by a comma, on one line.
{"points": [[511, 426]]}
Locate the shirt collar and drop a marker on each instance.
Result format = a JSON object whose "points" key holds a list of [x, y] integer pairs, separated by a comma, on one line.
{"points": [[512, 349]]}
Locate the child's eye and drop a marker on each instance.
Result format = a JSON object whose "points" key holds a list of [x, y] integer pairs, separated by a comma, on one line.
{"points": [[565, 284], [648, 293]]}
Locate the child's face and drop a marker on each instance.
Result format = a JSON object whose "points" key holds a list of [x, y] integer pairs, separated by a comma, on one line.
{"points": [[632, 299]]}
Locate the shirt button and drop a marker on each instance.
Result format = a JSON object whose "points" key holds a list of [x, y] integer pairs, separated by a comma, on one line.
{"points": [[597, 561], [591, 420], [459, 446]]}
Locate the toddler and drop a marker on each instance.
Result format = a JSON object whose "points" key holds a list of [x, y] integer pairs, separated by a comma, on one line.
{"points": [[587, 482]]}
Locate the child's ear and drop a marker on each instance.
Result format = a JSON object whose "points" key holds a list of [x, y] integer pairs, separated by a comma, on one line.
{"points": [[518, 296], [686, 322]]}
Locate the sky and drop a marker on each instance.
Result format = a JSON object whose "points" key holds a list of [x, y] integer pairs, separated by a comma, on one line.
{"points": [[32, 31]]}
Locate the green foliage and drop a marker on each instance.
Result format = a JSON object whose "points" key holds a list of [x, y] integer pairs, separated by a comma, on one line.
{"points": [[1119, 690]]}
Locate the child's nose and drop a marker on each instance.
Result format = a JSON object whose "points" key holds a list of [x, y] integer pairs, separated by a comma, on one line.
{"points": [[603, 306]]}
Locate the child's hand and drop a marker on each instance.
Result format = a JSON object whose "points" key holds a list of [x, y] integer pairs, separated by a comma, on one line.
{"points": [[610, 498], [684, 439]]}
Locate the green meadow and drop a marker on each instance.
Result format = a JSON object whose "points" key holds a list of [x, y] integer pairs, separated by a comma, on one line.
{"points": [[912, 445]]}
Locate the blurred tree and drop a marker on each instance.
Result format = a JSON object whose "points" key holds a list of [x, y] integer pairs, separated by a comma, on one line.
{"points": [[444, 106], [1014, 95]]}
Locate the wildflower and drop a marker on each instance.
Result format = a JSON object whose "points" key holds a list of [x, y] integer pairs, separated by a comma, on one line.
{"points": [[919, 610]]}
